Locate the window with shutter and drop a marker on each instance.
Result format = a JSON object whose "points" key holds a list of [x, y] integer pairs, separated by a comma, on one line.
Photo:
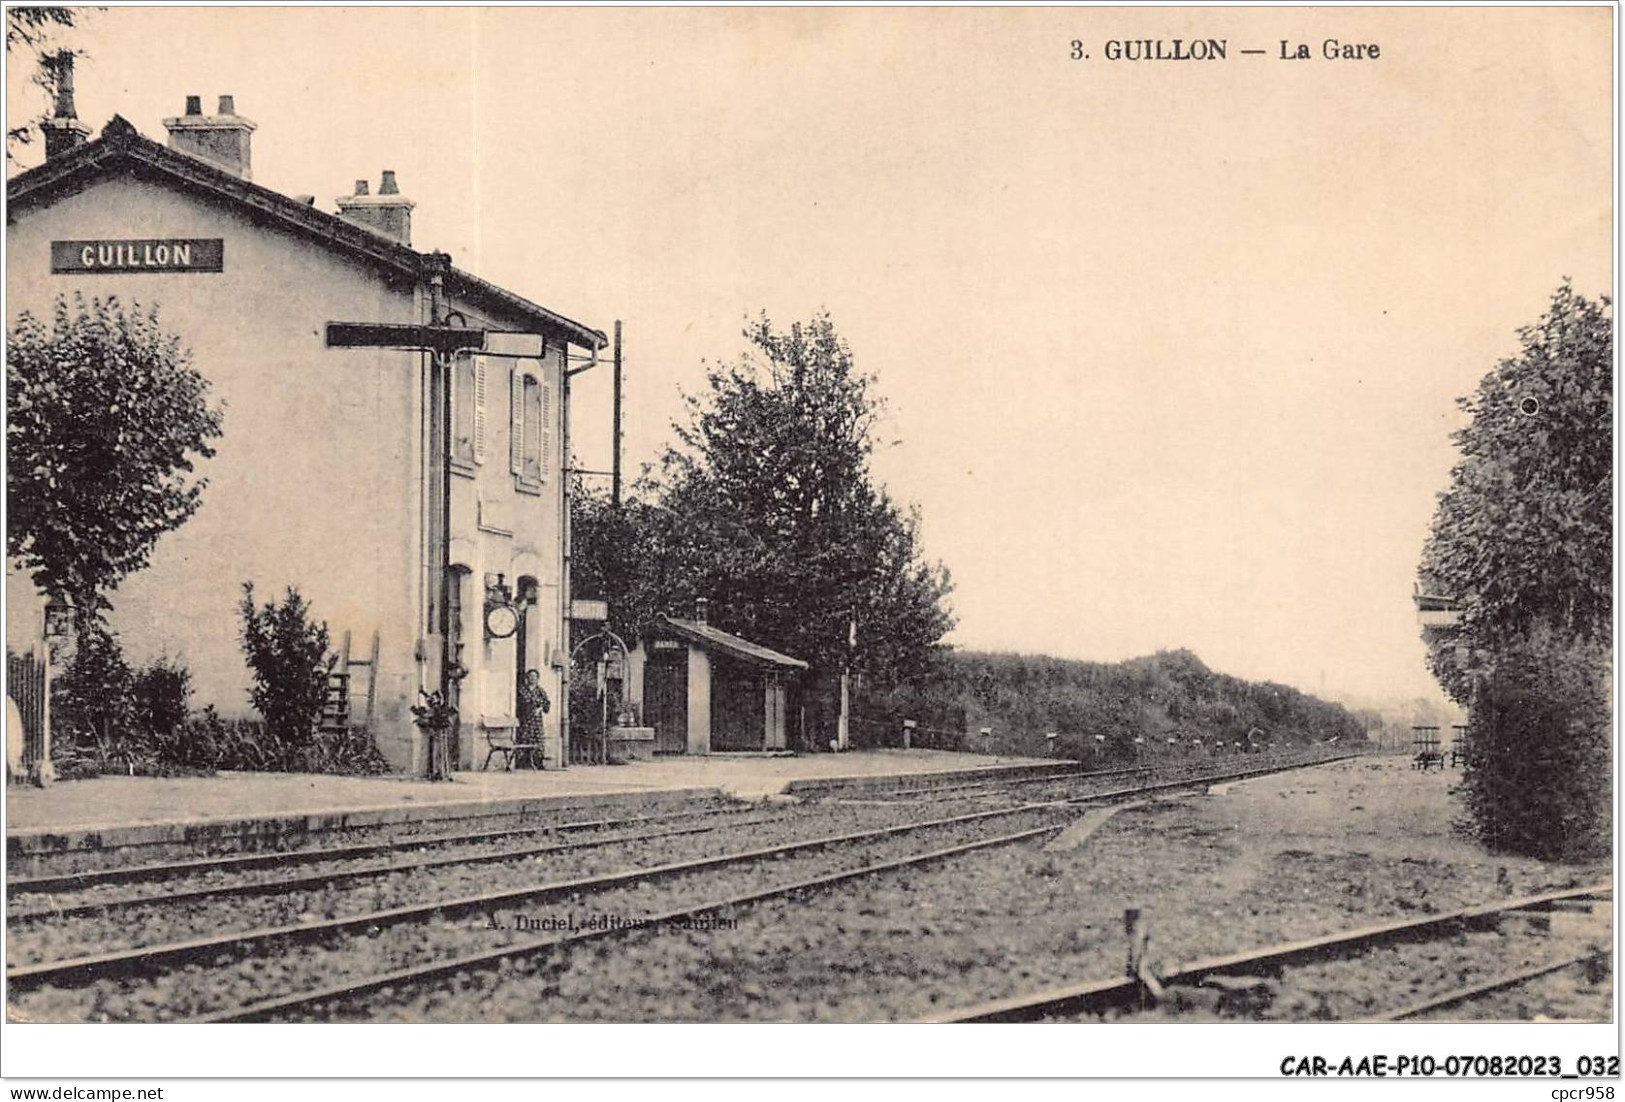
{"points": [[479, 409], [544, 422], [463, 403], [530, 433], [516, 423], [533, 431]]}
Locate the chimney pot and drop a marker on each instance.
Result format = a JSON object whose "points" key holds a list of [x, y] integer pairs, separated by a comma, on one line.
{"points": [[702, 609], [388, 213], [63, 68], [63, 130], [224, 140]]}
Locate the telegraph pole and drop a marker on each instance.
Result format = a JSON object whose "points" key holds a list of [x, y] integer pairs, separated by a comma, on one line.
{"points": [[615, 467]]}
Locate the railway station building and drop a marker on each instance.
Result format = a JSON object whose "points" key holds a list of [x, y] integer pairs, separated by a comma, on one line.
{"points": [[325, 476]]}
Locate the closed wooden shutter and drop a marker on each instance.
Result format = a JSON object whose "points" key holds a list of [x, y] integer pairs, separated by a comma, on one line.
{"points": [[545, 428], [479, 409], [516, 427]]}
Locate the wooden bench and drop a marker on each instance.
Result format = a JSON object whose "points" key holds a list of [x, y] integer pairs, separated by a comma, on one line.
{"points": [[502, 741], [1427, 759]]}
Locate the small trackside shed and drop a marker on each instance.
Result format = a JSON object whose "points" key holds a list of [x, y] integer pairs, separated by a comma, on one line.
{"points": [[703, 689]]}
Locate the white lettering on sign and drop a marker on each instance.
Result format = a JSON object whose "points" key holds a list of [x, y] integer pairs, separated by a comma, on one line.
{"points": [[167, 255]]}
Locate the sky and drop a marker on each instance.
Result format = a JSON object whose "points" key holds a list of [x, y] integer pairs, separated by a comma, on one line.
{"points": [[1171, 350]]}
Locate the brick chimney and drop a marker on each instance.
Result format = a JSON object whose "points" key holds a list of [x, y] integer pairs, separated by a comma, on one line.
{"points": [[222, 139], [702, 609], [63, 130], [389, 212]]}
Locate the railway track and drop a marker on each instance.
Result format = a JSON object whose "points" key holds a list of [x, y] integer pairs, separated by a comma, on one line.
{"points": [[426, 939], [206, 869], [452, 930], [170, 896], [199, 881], [1124, 996], [163, 870]]}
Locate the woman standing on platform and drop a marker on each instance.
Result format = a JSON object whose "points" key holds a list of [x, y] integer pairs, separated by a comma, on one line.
{"points": [[533, 709]]}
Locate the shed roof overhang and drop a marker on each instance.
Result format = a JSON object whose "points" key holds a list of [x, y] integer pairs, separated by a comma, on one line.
{"points": [[713, 638]]}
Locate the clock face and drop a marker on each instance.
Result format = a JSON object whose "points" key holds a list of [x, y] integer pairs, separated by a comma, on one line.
{"points": [[500, 621]]}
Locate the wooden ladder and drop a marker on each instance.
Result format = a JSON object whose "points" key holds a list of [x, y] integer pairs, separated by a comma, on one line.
{"points": [[338, 708]]}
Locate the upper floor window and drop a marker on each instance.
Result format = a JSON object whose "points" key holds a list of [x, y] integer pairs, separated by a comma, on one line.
{"points": [[468, 412], [530, 434]]}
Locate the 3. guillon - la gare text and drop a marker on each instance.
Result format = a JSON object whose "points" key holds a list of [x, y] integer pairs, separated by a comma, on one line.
{"points": [[1218, 49]]}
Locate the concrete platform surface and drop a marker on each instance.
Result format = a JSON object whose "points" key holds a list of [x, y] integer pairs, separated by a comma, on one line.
{"points": [[110, 803]]}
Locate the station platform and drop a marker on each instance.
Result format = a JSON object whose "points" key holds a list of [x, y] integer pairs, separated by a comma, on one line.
{"points": [[116, 811]]}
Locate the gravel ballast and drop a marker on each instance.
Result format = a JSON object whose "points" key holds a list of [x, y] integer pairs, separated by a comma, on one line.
{"points": [[1313, 852], [223, 979]]}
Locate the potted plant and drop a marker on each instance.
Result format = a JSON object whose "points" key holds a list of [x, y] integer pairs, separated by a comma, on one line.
{"points": [[435, 718]]}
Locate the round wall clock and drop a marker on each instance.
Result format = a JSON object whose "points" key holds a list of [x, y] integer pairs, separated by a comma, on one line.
{"points": [[501, 621]]}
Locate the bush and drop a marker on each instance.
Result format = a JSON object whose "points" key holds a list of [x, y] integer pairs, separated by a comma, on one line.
{"points": [[109, 718], [1538, 775], [92, 705], [289, 658], [159, 697]]}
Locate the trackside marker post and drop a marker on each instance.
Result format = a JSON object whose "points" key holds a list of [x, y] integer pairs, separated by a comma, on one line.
{"points": [[1139, 962]]}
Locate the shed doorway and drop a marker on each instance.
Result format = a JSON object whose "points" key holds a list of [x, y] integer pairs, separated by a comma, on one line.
{"points": [[665, 700]]}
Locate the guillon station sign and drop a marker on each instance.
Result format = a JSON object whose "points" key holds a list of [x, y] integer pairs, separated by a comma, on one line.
{"points": [[198, 254]]}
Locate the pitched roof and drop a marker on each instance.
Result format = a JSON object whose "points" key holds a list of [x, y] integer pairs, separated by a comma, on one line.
{"points": [[121, 149], [731, 645]]}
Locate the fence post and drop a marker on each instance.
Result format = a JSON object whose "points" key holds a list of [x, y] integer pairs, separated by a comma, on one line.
{"points": [[46, 771]]}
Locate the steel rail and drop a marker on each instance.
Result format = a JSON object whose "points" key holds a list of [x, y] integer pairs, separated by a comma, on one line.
{"points": [[1487, 987], [933, 790], [74, 881], [339, 876], [138, 959], [1274, 765], [89, 878], [144, 958], [1112, 993], [440, 969]]}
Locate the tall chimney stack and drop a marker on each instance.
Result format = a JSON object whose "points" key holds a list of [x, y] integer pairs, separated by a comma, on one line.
{"points": [[702, 609], [388, 213], [63, 130], [222, 139]]}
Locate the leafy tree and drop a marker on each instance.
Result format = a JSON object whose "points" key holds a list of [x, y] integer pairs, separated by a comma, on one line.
{"points": [[1523, 539], [106, 416], [766, 506], [1524, 535]]}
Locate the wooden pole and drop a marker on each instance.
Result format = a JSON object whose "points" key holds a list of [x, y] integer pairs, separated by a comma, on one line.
{"points": [[615, 468]]}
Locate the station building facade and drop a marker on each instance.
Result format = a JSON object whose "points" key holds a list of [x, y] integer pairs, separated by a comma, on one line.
{"points": [[324, 476]]}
